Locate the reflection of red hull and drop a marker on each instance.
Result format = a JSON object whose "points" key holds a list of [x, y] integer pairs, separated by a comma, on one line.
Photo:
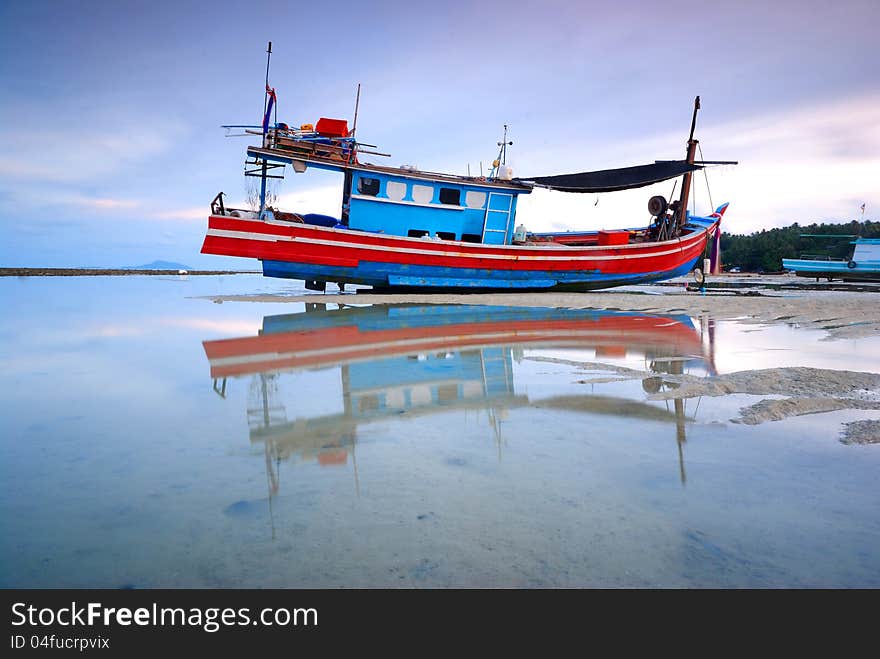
{"points": [[611, 334]]}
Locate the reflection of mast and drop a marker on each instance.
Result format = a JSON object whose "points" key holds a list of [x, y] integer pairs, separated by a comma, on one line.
{"points": [[263, 416], [346, 411], [680, 437], [272, 482], [502, 380], [677, 368], [653, 385], [707, 337]]}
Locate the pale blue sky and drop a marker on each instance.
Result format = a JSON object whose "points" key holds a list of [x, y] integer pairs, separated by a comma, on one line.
{"points": [[110, 146]]}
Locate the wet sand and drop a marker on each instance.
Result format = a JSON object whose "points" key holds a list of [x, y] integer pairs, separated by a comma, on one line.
{"points": [[861, 432], [802, 391], [840, 314]]}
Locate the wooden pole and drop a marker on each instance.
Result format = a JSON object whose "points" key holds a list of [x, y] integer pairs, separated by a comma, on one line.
{"points": [[357, 102], [688, 177], [265, 106]]}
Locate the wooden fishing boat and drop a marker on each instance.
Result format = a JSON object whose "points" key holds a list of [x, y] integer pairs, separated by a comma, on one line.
{"points": [[400, 228]]}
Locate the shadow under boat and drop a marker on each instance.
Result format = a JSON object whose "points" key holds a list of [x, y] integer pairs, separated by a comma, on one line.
{"points": [[423, 359]]}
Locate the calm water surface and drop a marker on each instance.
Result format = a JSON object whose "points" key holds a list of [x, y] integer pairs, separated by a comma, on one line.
{"points": [[152, 438]]}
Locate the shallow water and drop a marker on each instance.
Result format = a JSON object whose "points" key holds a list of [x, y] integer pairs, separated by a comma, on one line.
{"points": [[153, 438]]}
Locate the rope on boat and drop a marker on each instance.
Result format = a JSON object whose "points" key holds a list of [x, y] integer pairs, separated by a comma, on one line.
{"points": [[706, 175]]}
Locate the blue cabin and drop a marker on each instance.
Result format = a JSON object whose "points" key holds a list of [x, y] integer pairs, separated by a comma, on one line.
{"points": [[418, 206], [407, 202]]}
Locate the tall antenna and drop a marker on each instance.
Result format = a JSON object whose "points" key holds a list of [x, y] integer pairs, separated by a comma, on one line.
{"points": [[502, 155]]}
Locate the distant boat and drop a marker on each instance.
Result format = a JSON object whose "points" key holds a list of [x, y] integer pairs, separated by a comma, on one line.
{"points": [[863, 264], [401, 228]]}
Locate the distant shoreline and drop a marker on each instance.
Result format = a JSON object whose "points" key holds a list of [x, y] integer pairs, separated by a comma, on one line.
{"points": [[114, 272]]}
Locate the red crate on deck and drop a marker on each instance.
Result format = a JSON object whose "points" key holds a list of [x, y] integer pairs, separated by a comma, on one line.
{"points": [[613, 237], [332, 127]]}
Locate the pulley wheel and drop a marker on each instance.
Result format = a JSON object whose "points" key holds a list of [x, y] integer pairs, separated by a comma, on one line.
{"points": [[657, 205]]}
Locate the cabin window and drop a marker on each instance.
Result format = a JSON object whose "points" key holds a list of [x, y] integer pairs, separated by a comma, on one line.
{"points": [[368, 186], [450, 196], [417, 233], [423, 194], [474, 199], [471, 238], [395, 190], [446, 235]]}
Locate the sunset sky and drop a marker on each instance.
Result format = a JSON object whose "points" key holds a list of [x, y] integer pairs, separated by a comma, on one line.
{"points": [[111, 147]]}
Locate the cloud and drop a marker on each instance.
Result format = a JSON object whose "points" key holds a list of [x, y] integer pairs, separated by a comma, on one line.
{"points": [[326, 200], [194, 213], [101, 206], [807, 164], [87, 147], [227, 327], [105, 204], [231, 326]]}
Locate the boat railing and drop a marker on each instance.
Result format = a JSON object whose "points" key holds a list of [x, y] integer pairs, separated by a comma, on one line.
{"points": [[219, 208], [820, 257], [217, 205]]}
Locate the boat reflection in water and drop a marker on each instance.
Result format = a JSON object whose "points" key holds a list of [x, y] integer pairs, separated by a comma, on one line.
{"points": [[423, 359]]}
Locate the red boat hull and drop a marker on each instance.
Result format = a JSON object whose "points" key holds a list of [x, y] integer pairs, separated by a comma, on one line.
{"points": [[301, 251]]}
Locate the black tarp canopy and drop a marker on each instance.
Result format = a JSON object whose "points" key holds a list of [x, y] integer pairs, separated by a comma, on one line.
{"points": [[611, 180]]}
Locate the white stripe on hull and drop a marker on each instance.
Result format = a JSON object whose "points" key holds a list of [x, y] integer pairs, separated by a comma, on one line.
{"points": [[405, 239], [249, 235]]}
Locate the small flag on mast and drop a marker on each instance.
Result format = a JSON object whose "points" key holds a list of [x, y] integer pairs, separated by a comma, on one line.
{"points": [[271, 92]]}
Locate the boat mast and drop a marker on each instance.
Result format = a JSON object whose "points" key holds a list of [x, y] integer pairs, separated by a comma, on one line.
{"points": [[686, 181], [265, 130]]}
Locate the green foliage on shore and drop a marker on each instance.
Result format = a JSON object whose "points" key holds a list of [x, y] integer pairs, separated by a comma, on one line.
{"points": [[764, 250]]}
